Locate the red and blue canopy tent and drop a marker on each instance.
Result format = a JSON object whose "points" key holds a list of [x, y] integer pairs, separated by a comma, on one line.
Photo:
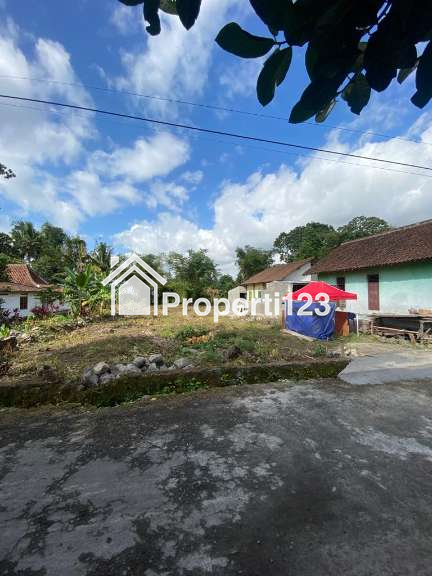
{"points": [[320, 291], [317, 290]]}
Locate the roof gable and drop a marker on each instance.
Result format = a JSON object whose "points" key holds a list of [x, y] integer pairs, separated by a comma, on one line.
{"points": [[406, 244], [24, 275], [276, 273]]}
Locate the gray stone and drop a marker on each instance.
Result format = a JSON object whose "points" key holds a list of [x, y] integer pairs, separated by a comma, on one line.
{"points": [[89, 378], [101, 368], [132, 369], [182, 362], [125, 369], [106, 377], [140, 362], [152, 368], [156, 359]]}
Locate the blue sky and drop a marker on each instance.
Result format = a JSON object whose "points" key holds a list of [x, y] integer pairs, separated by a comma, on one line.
{"points": [[153, 189]]}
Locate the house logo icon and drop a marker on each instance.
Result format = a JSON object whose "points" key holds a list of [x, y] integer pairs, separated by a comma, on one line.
{"points": [[134, 286]]}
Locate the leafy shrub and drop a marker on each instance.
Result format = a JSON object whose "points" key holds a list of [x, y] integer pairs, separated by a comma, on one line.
{"points": [[45, 310], [319, 350], [4, 331], [8, 316], [191, 331]]}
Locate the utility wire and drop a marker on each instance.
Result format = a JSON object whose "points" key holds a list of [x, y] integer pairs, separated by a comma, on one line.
{"points": [[212, 107], [121, 122], [235, 135]]}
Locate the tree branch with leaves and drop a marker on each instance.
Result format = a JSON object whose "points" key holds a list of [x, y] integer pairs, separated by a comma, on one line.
{"points": [[352, 47]]}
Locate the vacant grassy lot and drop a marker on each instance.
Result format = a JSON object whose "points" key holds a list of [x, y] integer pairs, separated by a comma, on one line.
{"points": [[67, 348]]}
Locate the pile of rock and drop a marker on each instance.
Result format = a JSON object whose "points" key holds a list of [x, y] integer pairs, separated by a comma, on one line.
{"points": [[103, 373]]}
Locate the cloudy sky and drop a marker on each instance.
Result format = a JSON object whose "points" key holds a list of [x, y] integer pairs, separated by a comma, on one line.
{"points": [[153, 189]]}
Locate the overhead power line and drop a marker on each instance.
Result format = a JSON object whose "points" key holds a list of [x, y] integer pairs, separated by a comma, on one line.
{"points": [[314, 156], [235, 135], [211, 107], [122, 122]]}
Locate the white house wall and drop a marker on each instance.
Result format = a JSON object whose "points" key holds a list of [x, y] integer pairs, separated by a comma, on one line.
{"points": [[11, 302], [299, 276]]}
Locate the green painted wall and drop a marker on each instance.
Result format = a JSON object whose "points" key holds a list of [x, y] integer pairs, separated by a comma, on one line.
{"points": [[253, 290], [401, 287]]}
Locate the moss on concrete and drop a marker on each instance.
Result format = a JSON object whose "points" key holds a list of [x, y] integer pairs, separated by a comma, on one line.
{"points": [[129, 388]]}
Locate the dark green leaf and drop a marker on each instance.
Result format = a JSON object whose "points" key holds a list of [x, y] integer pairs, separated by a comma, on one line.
{"points": [[366, 12], [406, 56], [300, 113], [311, 59], [383, 49], [301, 18], [271, 12], [357, 93], [405, 72], [234, 39], [188, 11], [273, 73], [169, 6], [324, 113], [424, 78], [315, 98], [151, 15]]}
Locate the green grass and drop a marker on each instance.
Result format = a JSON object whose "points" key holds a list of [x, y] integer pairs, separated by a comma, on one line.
{"points": [[69, 346]]}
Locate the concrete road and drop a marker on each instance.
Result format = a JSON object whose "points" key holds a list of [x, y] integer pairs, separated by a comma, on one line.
{"points": [[309, 479], [387, 367]]}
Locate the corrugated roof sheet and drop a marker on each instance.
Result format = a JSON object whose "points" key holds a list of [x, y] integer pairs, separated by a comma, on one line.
{"points": [[276, 273]]}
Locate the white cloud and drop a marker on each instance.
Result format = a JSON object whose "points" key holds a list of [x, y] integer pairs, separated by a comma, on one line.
{"points": [[34, 138], [95, 196], [35, 191], [240, 78], [192, 177], [124, 19], [41, 144], [267, 203], [157, 156], [167, 194], [176, 63]]}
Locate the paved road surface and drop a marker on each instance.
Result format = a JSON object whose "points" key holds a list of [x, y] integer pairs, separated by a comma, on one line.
{"points": [[389, 367], [311, 479]]}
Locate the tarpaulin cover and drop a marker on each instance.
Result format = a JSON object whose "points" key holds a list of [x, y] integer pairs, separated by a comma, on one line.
{"points": [[321, 327], [319, 287]]}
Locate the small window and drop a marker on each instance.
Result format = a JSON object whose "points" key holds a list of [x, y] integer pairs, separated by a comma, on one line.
{"points": [[23, 302], [340, 282]]}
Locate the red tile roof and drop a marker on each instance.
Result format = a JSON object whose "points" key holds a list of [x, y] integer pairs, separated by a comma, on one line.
{"points": [[411, 243], [22, 278], [24, 275], [276, 273]]}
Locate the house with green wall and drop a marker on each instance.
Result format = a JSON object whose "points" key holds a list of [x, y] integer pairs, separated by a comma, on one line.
{"points": [[391, 272]]}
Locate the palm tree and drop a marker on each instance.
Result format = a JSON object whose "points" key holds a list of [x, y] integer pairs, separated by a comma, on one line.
{"points": [[26, 240], [101, 257], [76, 256]]}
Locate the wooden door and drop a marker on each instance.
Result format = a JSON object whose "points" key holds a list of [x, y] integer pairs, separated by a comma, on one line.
{"points": [[373, 292]]}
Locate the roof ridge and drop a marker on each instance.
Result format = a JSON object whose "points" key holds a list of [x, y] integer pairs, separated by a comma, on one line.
{"points": [[391, 231]]}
